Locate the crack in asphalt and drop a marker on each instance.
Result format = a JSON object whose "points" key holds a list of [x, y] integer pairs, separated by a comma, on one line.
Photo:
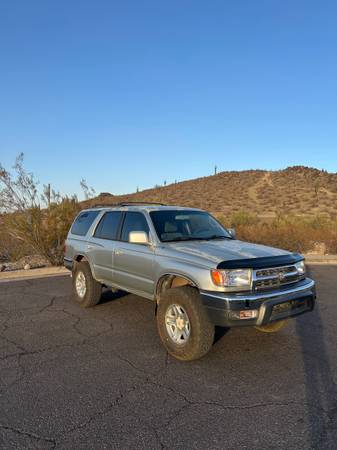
{"points": [[10, 341], [145, 377], [191, 403], [23, 351], [148, 378], [80, 332], [115, 402], [41, 351], [49, 304], [29, 434]]}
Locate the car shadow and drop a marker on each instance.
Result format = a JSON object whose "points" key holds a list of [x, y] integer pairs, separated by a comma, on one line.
{"points": [[219, 333], [320, 387], [108, 296]]}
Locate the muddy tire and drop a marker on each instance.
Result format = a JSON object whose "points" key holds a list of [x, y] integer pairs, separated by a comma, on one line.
{"points": [[272, 327], [183, 324], [86, 290]]}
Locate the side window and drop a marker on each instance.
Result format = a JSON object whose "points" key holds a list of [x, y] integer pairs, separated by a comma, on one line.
{"points": [[83, 222], [134, 221], [108, 226]]}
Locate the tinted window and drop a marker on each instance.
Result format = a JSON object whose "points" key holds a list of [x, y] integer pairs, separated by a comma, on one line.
{"points": [[108, 226], [134, 221], [83, 222]]}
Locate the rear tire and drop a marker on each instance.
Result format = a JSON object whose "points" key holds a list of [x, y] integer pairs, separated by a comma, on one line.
{"points": [[272, 327], [86, 290], [183, 324]]}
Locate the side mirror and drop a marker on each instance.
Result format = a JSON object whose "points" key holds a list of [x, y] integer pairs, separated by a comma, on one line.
{"points": [[232, 232], [138, 237]]}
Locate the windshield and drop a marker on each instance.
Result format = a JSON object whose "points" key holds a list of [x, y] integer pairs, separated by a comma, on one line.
{"points": [[181, 225]]}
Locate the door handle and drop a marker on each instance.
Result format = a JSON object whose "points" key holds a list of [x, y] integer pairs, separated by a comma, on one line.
{"points": [[89, 247], [118, 252]]}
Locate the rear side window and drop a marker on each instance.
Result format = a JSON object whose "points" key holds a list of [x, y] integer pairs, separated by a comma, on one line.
{"points": [[83, 222], [134, 221], [108, 226]]}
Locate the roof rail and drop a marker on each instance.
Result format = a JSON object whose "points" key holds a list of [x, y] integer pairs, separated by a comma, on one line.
{"points": [[140, 203], [103, 206], [115, 205]]}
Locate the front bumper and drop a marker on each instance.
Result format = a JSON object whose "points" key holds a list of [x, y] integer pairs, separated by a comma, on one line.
{"points": [[223, 308]]}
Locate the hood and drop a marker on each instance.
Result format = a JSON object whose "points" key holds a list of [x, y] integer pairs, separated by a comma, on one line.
{"points": [[216, 251]]}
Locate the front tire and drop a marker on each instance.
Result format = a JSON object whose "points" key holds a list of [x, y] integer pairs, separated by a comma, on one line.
{"points": [[183, 325], [86, 290]]}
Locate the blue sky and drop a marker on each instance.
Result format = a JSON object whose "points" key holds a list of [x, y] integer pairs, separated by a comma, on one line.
{"points": [[132, 93]]}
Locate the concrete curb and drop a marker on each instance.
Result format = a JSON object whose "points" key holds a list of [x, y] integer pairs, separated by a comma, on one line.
{"points": [[18, 275]]}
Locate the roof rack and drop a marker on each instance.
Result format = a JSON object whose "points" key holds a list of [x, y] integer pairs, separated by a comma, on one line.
{"points": [[103, 206], [115, 205], [140, 203]]}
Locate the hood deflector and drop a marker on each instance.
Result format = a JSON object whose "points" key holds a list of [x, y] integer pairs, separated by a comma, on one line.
{"points": [[262, 262]]}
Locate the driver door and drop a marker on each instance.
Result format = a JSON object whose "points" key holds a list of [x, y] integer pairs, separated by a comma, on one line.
{"points": [[133, 263]]}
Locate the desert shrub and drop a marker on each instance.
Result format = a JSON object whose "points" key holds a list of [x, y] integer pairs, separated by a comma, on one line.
{"points": [[10, 248], [37, 223], [243, 218], [298, 234]]}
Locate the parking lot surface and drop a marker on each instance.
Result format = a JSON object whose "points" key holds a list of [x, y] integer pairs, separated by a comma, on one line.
{"points": [[100, 378]]}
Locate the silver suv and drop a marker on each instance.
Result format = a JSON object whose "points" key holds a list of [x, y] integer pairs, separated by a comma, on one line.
{"points": [[195, 271]]}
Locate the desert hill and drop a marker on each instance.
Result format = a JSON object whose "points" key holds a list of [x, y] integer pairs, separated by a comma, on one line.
{"points": [[296, 190]]}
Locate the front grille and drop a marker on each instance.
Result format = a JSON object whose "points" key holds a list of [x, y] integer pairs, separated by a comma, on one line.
{"points": [[275, 277]]}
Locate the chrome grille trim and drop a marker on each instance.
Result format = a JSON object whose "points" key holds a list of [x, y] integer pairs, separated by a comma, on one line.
{"points": [[274, 277]]}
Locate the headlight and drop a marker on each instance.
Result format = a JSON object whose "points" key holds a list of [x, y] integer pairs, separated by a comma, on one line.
{"points": [[300, 267], [232, 278]]}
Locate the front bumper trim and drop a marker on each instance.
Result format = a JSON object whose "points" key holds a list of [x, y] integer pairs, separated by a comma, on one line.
{"points": [[220, 306]]}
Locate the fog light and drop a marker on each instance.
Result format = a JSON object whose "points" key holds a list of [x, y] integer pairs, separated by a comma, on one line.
{"points": [[248, 314], [244, 314]]}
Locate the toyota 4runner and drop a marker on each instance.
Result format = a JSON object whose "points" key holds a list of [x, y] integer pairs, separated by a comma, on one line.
{"points": [[193, 268]]}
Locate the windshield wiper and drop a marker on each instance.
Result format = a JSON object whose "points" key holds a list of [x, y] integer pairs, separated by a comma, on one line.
{"points": [[185, 238], [217, 236], [195, 238]]}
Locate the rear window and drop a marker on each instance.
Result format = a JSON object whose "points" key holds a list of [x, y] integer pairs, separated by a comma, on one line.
{"points": [[108, 226], [83, 222]]}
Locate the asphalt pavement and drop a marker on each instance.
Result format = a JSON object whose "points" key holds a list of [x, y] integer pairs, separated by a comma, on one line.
{"points": [[100, 378]]}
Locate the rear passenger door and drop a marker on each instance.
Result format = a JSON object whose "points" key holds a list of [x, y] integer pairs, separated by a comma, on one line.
{"points": [[101, 246], [133, 263]]}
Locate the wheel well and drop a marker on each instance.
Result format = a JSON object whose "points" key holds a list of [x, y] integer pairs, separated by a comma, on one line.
{"points": [[80, 258], [171, 281], [77, 259]]}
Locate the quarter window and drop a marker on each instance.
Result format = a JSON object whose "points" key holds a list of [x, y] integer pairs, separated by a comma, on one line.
{"points": [[83, 222], [108, 226], [134, 221]]}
